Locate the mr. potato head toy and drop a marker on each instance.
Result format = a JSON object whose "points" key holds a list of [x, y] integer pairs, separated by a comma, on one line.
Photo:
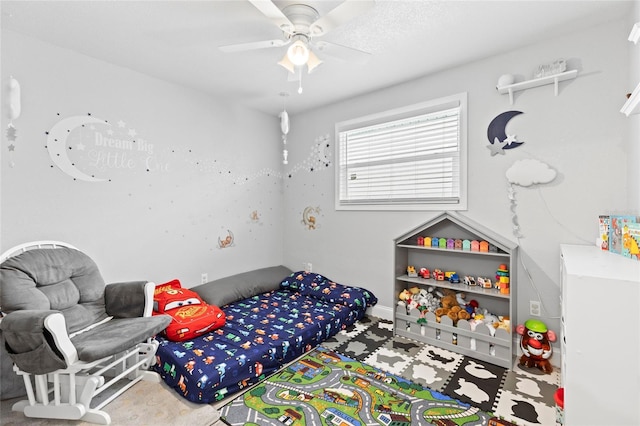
{"points": [[535, 345]]}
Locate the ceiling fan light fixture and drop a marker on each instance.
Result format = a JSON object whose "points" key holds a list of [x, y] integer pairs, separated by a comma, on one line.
{"points": [[298, 52], [287, 64], [313, 62]]}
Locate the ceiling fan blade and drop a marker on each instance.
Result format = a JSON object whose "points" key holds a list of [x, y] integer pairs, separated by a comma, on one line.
{"points": [[242, 47], [348, 10], [341, 52], [271, 11]]}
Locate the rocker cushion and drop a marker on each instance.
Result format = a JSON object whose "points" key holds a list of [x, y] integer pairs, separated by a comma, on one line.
{"points": [[117, 335], [63, 279]]}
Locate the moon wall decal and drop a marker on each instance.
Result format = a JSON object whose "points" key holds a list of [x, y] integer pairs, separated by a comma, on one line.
{"points": [[57, 145], [497, 130]]}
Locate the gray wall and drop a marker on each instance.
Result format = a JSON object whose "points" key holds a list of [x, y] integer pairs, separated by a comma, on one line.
{"points": [[166, 223], [219, 163], [580, 133]]}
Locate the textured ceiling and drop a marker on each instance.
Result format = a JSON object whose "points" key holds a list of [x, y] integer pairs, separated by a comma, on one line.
{"points": [[178, 41]]}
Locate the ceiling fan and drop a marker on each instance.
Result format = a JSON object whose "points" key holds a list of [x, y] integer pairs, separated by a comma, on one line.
{"points": [[301, 25]]}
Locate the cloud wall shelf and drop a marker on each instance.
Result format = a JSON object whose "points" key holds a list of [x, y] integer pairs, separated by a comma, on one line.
{"points": [[536, 82]]}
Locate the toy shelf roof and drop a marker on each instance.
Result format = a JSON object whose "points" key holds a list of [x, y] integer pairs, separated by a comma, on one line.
{"points": [[464, 225]]}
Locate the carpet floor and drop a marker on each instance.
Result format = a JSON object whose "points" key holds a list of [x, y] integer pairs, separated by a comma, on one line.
{"points": [[145, 403]]}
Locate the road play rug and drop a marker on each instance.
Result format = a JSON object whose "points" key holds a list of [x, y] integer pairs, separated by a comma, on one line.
{"points": [[325, 387]]}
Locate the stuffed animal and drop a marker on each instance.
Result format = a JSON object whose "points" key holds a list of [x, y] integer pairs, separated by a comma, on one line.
{"points": [[451, 306], [535, 346], [404, 295], [429, 299], [404, 298], [449, 300], [503, 322]]}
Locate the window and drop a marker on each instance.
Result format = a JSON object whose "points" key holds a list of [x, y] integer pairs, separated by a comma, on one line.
{"points": [[411, 158]]}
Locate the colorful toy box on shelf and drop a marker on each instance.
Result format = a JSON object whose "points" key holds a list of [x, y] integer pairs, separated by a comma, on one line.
{"points": [[424, 273], [604, 222], [484, 282], [438, 275], [411, 271], [452, 244], [502, 278], [620, 234]]}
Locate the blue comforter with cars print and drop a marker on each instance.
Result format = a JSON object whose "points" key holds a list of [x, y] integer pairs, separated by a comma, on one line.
{"points": [[261, 334]]}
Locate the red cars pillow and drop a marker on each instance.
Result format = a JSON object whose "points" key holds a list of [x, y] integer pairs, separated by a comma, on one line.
{"points": [[191, 315]]}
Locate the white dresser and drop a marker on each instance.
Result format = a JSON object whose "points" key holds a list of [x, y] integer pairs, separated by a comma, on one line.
{"points": [[600, 337]]}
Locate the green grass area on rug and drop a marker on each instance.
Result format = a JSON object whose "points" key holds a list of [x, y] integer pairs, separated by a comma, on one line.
{"points": [[324, 384]]}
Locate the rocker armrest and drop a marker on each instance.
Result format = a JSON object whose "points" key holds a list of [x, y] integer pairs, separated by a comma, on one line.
{"points": [[129, 299], [37, 341]]}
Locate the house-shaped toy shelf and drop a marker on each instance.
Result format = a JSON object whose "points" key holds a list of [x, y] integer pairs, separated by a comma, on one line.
{"points": [[460, 234]]}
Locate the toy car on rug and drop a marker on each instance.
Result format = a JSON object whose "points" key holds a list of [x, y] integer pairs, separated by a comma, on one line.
{"points": [[191, 315]]}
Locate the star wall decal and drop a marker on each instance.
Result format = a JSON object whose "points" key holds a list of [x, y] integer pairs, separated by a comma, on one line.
{"points": [[497, 147]]}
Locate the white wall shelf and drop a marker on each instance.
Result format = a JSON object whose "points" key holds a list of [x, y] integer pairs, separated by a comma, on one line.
{"points": [[536, 82], [634, 36], [632, 106]]}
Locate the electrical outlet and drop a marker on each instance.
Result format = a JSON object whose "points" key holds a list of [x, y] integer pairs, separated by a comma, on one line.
{"points": [[204, 278], [534, 308], [307, 267]]}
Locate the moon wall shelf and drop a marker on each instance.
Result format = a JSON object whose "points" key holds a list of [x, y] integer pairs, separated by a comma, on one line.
{"points": [[632, 106], [536, 82]]}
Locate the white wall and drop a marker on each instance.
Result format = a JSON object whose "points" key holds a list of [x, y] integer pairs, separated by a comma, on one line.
{"points": [[579, 134], [633, 158], [220, 163], [160, 225]]}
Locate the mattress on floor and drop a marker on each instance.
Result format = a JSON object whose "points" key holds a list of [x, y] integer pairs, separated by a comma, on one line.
{"points": [[261, 334]]}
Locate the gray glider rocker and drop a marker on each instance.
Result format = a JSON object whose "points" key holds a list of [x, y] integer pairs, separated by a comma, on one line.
{"points": [[69, 335]]}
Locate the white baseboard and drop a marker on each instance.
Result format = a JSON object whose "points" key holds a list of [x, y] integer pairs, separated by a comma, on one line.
{"points": [[383, 312]]}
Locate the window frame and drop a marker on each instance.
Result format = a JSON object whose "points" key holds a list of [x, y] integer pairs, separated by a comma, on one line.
{"points": [[431, 106]]}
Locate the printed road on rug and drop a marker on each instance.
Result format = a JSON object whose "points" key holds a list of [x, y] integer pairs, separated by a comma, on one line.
{"points": [[522, 396], [324, 384]]}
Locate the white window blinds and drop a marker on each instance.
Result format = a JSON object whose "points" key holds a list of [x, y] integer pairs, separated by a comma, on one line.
{"points": [[411, 160]]}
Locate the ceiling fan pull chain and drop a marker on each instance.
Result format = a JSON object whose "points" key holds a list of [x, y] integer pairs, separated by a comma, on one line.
{"points": [[300, 81]]}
